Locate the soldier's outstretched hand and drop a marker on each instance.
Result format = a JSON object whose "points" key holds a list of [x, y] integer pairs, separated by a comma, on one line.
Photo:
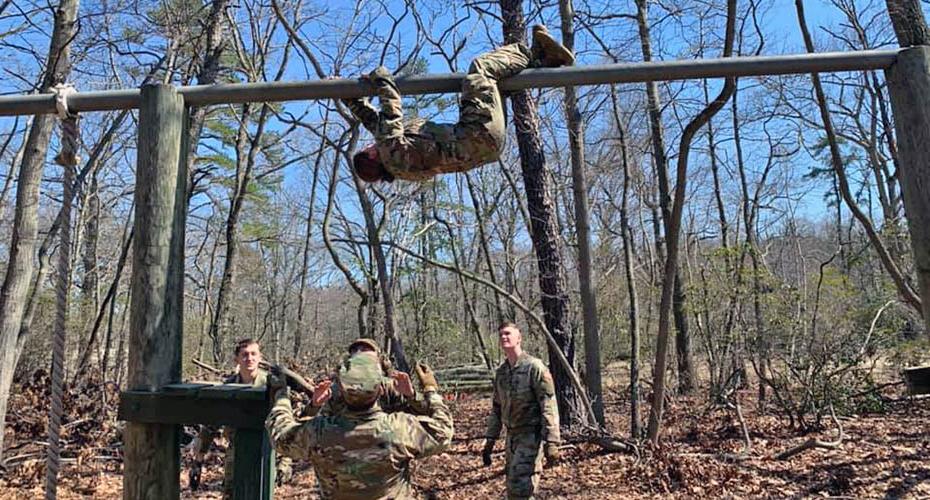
{"points": [[427, 377], [321, 393], [402, 384]]}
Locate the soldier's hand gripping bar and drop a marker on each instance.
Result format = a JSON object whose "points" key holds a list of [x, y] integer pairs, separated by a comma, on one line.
{"points": [[294, 380]]}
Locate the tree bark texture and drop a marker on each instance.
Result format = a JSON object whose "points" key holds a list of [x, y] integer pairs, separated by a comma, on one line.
{"points": [[673, 226], [152, 462], [20, 267], [543, 228], [907, 19], [909, 85], [592, 342]]}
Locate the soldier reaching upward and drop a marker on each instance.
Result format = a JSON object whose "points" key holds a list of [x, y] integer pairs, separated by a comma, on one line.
{"points": [[362, 453], [417, 151], [524, 402]]}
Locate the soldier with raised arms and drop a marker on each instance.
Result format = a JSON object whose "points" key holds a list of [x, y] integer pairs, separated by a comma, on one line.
{"points": [[362, 452]]}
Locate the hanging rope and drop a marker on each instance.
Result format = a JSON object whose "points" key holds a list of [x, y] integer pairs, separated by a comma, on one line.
{"points": [[68, 159]]}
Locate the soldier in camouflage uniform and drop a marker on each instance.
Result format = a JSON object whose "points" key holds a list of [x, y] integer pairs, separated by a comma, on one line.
{"points": [[419, 150], [362, 453], [248, 356], [524, 402], [391, 399]]}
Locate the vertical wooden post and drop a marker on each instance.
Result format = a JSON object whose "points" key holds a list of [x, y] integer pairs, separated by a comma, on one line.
{"points": [[152, 461], [254, 467], [909, 86]]}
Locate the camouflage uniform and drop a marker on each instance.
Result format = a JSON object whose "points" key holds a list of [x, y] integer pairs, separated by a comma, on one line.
{"points": [[418, 150], [362, 453], [207, 433], [524, 402]]}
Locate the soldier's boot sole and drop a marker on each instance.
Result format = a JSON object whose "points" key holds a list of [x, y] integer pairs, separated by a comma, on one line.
{"points": [[547, 52]]}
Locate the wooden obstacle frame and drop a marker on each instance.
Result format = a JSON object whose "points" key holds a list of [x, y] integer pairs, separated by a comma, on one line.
{"points": [[156, 404]]}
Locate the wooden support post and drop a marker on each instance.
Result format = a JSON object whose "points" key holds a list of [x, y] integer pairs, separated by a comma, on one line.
{"points": [[152, 461], [909, 86], [251, 482]]}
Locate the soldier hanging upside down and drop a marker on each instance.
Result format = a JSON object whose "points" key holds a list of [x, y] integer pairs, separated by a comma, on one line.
{"points": [[417, 151]]}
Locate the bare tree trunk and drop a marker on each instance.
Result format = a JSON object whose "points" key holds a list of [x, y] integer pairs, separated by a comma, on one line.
{"points": [[308, 232], [385, 281], [907, 18], [20, 268], [904, 288], [544, 231], [683, 338], [627, 237], [14, 165], [207, 74], [89, 283], [245, 163], [485, 245], [908, 81], [673, 225], [363, 294], [592, 341]]}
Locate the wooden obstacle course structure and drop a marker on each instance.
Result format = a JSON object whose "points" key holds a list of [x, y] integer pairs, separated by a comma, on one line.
{"points": [[240, 406], [155, 404]]}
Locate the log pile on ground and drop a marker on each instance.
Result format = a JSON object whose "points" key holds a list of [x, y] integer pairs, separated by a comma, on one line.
{"points": [[467, 379]]}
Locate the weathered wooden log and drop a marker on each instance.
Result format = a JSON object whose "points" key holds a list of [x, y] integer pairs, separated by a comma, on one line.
{"points": [[152, 461]]}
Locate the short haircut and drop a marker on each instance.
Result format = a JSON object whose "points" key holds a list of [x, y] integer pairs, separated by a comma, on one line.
{"points": [[508, 324], [242, 344]]}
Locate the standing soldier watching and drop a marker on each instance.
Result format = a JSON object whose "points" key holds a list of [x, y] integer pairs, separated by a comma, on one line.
{"points": [[363, 452], [524, 403], [248, 355]]}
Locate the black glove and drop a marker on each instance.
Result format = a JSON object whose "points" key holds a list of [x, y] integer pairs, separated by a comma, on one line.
{"points": [[276, 382], [486, 453], [194, 475]]}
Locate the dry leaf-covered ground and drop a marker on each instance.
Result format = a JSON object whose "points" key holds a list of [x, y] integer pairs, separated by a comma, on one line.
{"points": [[883, 456]]}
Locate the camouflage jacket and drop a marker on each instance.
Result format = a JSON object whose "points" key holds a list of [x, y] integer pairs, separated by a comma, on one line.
{"points": [[524, 400], [414, 150], [362, 454]]}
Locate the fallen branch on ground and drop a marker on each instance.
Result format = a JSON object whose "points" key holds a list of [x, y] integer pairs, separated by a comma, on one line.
{"points": [[816, 443]]}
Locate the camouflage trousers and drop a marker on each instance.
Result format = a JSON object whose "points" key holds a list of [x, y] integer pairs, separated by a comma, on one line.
{"points": [[481, 129], [524, 464]]}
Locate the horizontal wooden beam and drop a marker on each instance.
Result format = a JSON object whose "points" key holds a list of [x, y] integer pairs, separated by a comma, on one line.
{"points": [[203, 95], [234, 405]]}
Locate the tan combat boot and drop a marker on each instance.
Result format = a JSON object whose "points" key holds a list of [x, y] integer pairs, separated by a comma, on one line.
{"points": [[548, 53]]}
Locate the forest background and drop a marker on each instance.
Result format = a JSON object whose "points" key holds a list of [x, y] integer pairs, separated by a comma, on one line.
{"points": [[794, 269]]}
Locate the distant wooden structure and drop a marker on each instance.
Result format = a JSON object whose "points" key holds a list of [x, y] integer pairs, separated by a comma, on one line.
{"points": [[917, 379]]}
